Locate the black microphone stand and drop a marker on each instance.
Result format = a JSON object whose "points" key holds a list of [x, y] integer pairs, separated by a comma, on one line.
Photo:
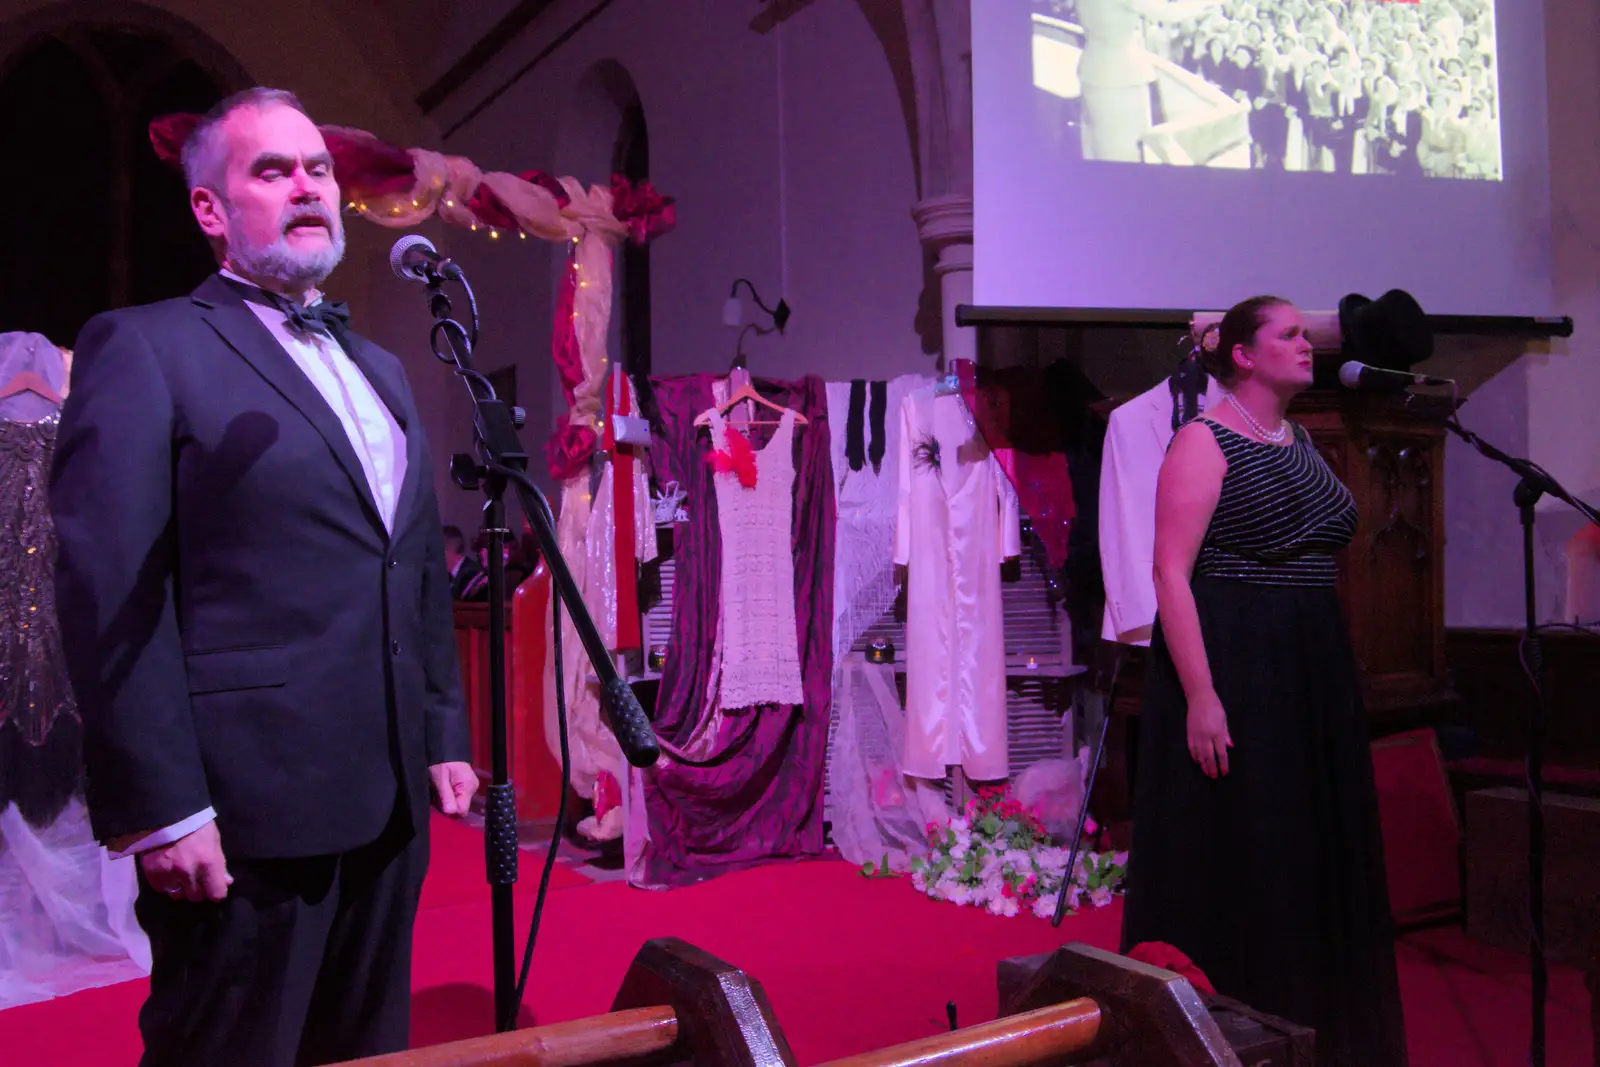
{"points": [[1536, 482], [1064, 894], [502, 462]]}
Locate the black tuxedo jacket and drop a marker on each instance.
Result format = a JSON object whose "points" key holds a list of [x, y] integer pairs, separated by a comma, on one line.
{"points": [[240, 629]]}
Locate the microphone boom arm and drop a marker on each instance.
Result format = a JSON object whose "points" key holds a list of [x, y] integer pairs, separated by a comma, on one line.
{"points": [[1536, 480]]}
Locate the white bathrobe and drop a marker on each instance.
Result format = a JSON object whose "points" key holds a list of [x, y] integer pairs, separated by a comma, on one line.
{"points": [[957, 522]]}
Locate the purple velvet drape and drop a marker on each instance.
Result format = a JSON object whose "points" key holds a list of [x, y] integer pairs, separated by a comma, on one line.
{"points": [[761, 800]]}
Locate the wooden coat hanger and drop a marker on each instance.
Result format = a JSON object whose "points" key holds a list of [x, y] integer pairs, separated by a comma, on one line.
{"points": [[29, 382], [747, 392]]}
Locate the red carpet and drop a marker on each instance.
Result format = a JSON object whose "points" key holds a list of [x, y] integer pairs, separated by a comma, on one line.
{"points": [[455, 869], [850, 964]]}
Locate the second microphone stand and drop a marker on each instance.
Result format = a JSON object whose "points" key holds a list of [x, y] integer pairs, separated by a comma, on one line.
{"points": [[502, 463], [1535, 483]]}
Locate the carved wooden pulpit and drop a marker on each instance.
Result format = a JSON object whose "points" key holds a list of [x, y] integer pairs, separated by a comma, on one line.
{"points": [[1391, 578]]}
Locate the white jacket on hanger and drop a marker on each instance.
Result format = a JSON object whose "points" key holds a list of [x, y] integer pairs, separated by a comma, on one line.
{"points": [[958, 520], [1137, 436]]}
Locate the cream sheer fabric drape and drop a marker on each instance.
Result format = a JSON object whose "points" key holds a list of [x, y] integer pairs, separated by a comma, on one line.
{"points": [[870, 805]]}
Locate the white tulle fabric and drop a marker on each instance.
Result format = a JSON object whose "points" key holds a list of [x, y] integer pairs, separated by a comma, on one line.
{"points": [[759, 660], [872, 810], [66, 911]]}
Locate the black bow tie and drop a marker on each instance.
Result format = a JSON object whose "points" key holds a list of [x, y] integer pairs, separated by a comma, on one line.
{"points": [[325, 316]]}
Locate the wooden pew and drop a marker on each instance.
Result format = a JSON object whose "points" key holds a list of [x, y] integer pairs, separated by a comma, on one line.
{"points": [[677, 1005], [1051, 1034], [680, 1005], [600, 1039], [1153, 1016]]}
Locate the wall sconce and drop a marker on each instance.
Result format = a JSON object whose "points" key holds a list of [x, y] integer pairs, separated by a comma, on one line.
{"points": [[733, 311]]}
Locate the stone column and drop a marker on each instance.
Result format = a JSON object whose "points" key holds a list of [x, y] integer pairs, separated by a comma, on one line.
{"points": [[939, 43], [944, 225]]}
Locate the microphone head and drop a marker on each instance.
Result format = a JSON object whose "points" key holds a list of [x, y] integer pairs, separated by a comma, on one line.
{"points": [[1350, 374], [397, 256]]}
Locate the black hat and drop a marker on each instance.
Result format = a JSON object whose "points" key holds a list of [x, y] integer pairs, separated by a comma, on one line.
{"points": [[1391, 331]]}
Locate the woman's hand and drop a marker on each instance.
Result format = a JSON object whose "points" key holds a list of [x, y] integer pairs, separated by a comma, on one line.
{"points": [[1208, 735]]}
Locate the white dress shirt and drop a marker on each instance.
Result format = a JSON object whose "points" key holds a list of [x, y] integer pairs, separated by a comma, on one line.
{"points": [[375, 435]]}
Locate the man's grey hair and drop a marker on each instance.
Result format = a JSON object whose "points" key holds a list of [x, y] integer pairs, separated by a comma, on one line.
{"points": [[205, 155]]}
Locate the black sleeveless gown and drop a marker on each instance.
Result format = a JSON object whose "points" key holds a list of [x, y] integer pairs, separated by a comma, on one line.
{"points": [[1271, 878]]}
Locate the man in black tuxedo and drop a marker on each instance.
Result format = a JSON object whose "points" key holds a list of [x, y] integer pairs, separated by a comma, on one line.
{"points": [[461, 567], [257, 623]]}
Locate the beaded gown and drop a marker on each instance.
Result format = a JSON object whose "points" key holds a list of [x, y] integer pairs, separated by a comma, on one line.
{"points": [[66, 909], [41, 765], [1271, 878]]}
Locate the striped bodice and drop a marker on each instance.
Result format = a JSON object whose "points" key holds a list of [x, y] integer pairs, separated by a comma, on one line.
{"points": [[1281, 517]]}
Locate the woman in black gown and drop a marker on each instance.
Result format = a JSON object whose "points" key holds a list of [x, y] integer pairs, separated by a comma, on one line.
{"points": [[1256, 846]]}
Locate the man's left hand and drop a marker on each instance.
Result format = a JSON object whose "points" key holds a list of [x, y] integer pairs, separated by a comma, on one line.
{"points": [[453, 786]]}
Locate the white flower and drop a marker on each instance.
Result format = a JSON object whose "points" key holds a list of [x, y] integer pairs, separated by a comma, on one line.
{"points": [[1045, 907], [1008, 907], [1100, 897], [997, 905]]}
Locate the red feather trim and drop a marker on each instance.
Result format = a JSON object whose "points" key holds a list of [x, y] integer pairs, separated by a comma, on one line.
{"points": [[739, 459]]}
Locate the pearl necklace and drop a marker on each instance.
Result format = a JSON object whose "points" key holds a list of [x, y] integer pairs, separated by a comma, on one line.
{"points": [[1276, 437]]}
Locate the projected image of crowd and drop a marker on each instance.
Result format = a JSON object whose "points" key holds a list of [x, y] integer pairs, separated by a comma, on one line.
{"points": [[1338, 86]]}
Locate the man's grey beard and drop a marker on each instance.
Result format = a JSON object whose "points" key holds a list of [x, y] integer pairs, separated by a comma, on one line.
{"points": [[278, 261]]}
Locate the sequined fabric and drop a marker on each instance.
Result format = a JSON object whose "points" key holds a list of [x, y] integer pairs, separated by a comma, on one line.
{"points": [[34, 691]]}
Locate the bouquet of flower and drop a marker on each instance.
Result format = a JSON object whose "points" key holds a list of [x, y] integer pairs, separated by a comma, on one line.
{"points": [[997, 855]]}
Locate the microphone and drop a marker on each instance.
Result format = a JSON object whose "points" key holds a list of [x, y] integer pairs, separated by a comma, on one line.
{"points": [[1353, 375], [414, 259]]}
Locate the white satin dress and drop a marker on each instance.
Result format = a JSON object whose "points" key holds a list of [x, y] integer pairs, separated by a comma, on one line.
{"points": [[958, 520]]}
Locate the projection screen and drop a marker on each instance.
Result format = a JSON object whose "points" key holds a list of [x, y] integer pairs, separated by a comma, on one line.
{"points": [[1188, 153]]}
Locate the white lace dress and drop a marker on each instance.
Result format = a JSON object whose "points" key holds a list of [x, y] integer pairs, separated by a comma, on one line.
{"points": [[760, 654]]}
